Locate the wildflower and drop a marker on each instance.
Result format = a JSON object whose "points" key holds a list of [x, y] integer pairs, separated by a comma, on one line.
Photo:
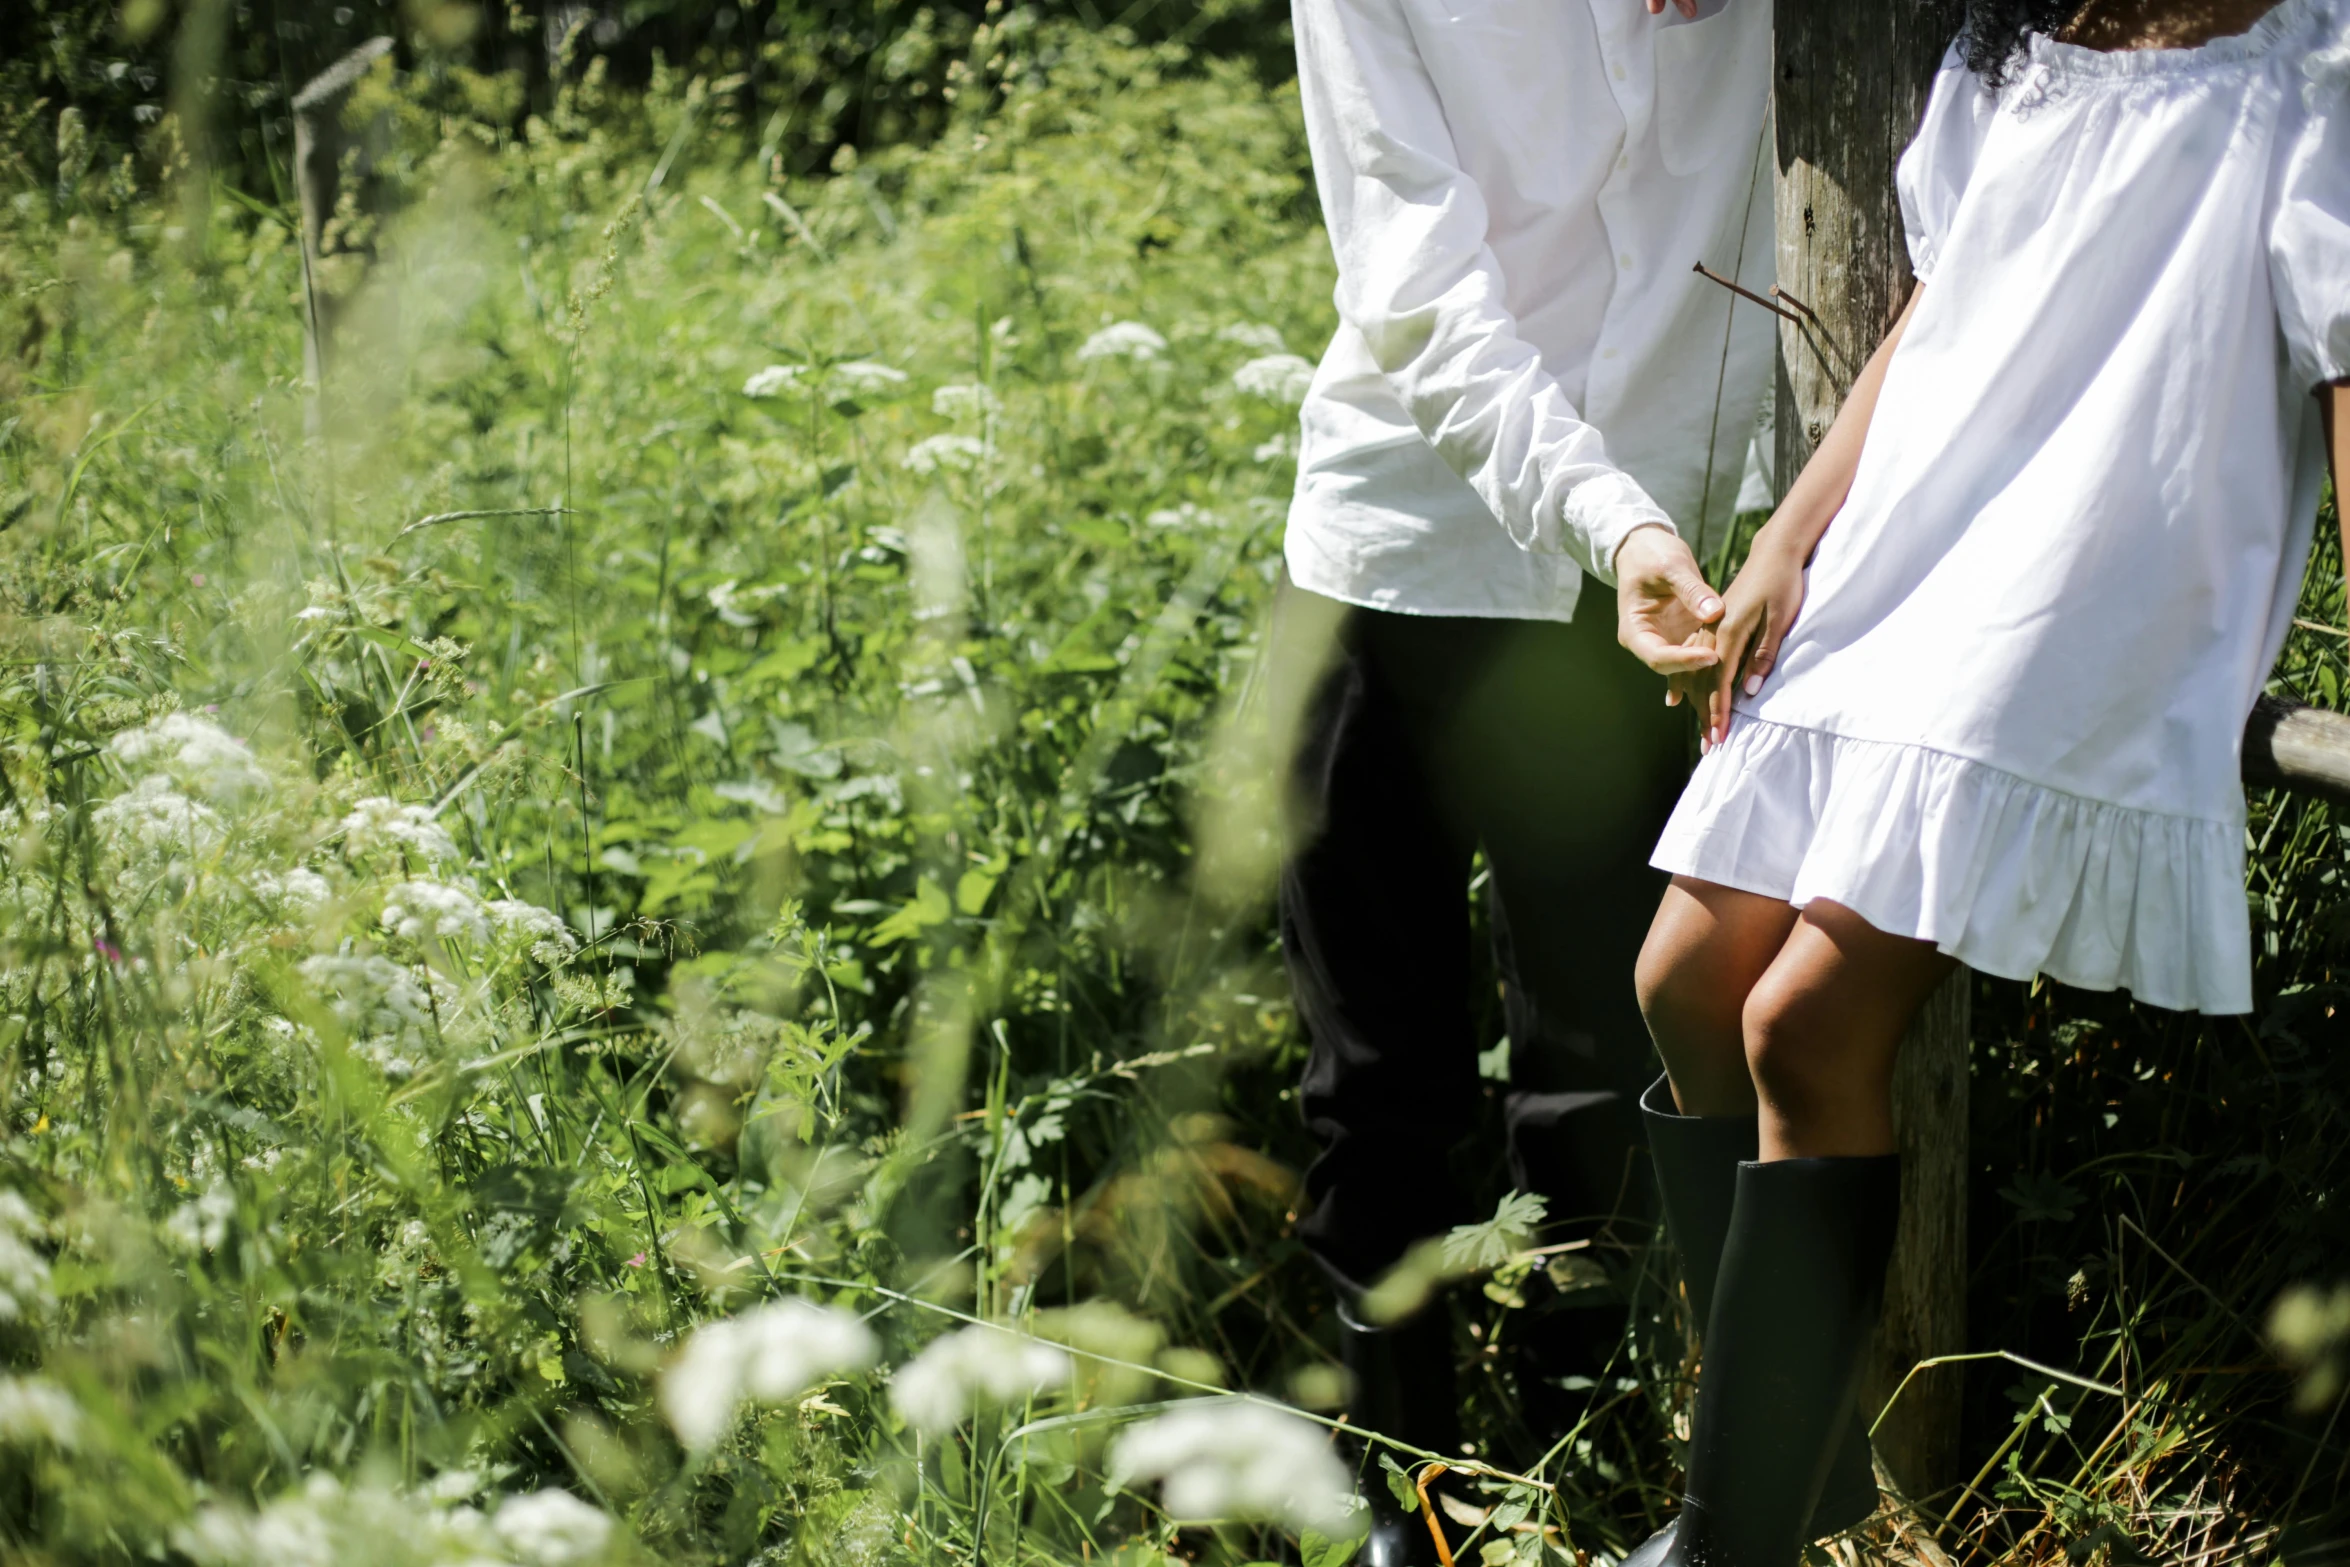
{"points": [[1276, 449], [959, 452], [774, 380], [24, 1272], [1278, 378], [1187, 515], [381, 823], [536, 931], [966, 401], [1123, 340], [936, 1390], [35, 1412], [1253, 334], [1236, 1459], [552, 1528], [864, 378], [299, 891], [417, 909], [768, 1355], [383, 1007], [201, 757], [201, 1223], [154, 818]]}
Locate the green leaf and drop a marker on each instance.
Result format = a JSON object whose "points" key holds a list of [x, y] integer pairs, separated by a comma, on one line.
{"points": [[1399, 1484], [928, 907], [1475, 1247], [1317, 1550]]}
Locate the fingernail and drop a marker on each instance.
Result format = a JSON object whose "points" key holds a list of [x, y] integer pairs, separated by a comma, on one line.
{"points": [[1709, 606], [1753, 684]]}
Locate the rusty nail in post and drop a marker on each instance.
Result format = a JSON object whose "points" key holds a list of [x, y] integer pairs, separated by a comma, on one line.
{"points": [[1779, 293], [1781, 311]]}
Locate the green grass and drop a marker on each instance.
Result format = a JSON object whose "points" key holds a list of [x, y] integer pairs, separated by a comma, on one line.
{"points": [[874, 750]]}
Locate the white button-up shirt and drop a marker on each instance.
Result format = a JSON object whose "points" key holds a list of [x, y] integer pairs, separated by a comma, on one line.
{"points": [[1526, 367]]}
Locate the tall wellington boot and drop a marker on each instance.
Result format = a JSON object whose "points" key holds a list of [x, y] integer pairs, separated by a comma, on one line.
{"points": [[1802, 1276], [1404, 1388], [1697, 1159]]}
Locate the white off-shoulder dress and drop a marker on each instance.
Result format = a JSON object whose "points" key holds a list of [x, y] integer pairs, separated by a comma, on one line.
{"points": [[2007, 720]]}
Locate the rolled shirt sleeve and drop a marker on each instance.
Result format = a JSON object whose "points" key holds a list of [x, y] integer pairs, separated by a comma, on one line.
{"points": [[1419, 283]]}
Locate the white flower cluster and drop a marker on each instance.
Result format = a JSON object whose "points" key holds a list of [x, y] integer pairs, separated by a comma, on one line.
{"points": [[937, 1390], [864, 378], [960, 453], [328, 1524], [35, 1412], [1231, 1458], [530, 929], [152, 818], [201, 1223], [966, 402], [381, 823], [24, 1272], [419, 909], [1123, 340], [383, 1007], [768, 1355], [1253, 335], [298, 891], [774, 381], [1277, 378], [200, 757]]}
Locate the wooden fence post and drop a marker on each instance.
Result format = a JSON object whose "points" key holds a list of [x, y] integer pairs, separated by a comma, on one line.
{"points": [[1850, 85], [320, 141]]}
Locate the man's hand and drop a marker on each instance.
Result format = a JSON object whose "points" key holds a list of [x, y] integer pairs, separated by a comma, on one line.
{"points": [[1662, 602]]}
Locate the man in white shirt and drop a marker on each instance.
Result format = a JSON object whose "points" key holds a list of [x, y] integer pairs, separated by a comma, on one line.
{"points": [[1530, 386]]}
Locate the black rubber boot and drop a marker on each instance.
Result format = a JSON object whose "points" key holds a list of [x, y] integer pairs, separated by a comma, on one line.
{"points": [[1404, 1388], [1697, 1159], [1802, 1276]]}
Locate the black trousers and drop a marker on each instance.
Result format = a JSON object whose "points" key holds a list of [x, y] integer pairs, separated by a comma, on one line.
{"points": [[1423, 740]]}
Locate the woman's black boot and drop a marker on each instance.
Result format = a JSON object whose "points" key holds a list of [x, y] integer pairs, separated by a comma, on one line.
{"points": [[1403, 1387], [1697, 1159], [1802, 1276]]}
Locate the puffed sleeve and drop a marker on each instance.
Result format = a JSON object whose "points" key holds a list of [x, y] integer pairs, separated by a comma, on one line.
{"points": [[1940, 159], [2309, 231]]}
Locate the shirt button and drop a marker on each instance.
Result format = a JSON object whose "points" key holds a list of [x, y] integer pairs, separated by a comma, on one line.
{"points": [[1619, 71], [1624, 162], [1625, 261], [1607, 353]]}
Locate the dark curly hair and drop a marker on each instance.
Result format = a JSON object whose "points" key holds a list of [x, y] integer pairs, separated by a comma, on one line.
{"points": [[1992, 39]]}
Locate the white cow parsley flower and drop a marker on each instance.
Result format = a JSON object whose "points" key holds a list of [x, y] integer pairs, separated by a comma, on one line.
{"points": [[553, 1528], [531, 929], [203, 758], [381, 823], [958, 452], [937, 1390], [966, 401], [382, 1006], [201, 1223], [1278, 378], [153, 818], [35, 1412], [24, 1272], [1253, 334], [1123, 340], [775, 380], [864, 378], [1234, 1458], [768, 1355], [418, 909]]}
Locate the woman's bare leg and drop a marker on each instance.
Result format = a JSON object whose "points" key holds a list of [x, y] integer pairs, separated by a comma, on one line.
{"points": [[1706, 949], [1821, 1027]]}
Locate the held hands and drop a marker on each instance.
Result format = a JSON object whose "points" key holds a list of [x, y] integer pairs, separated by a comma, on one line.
{"points": [[1758, 612], [1663, 604], [1687, 8]]}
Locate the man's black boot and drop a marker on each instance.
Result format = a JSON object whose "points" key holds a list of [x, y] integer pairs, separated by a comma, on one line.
{"points": [[1802, 1276], [1403, 1387], [1697, 1159]]}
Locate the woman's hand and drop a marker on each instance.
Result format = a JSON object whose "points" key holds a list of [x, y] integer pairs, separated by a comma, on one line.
{"points": [[1758, 612]]}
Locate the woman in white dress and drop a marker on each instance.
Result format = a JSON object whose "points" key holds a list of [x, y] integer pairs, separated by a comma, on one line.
{"points": [[1978, 694]]}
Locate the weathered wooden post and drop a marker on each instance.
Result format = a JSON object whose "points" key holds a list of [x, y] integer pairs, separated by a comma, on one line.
{"points": [[321, 140], [1851, 84]]}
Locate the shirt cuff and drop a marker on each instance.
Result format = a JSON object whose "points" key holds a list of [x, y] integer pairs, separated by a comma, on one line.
{"points": [[1604, 511]]}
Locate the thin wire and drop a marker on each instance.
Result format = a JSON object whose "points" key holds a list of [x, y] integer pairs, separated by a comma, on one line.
{"points": [[1713, 434]]}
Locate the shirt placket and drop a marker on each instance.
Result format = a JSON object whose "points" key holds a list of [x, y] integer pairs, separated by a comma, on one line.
{"points": [[1628, 57]]}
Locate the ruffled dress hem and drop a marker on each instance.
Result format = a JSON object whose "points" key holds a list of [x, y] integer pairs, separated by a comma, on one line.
{"points": [[2008, 876]]}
